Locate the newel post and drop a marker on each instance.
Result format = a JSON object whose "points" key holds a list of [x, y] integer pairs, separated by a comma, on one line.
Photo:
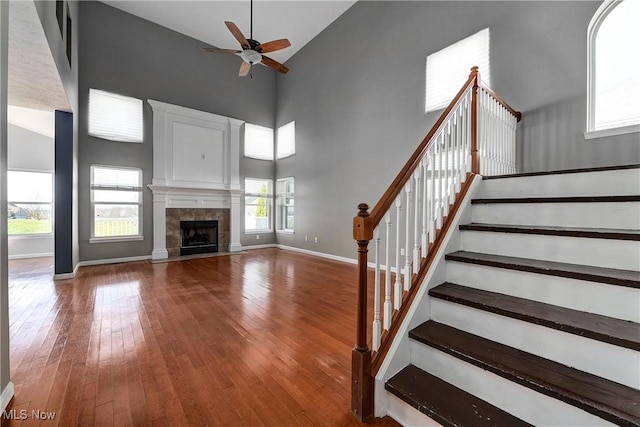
{"points": [[361, 379], [475, 156]]}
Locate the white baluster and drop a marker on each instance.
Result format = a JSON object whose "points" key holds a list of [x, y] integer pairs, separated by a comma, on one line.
{"points": [[417, 176], [387, 274], [432, 195], [377, 329], [458, 150], [376, 295], [407, 234], [445, 169], [425, 205], [397, 297], [440, 187]]}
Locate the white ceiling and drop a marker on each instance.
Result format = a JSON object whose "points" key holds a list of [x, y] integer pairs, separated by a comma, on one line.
{"points": [[297, 20], [33, 79]]}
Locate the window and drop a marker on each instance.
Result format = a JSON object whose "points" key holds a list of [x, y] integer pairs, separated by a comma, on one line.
{"points": [[29, 202], [448, 68], [115, 117], [258, 142], [613, 68], [258, 200], [285, 204], [116, 203], [287, 140]]}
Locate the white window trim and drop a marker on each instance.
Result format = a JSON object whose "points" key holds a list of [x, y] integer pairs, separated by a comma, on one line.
{"points": [[108, 239], [53, 196], [279, 195], [270, 207], [592, 31]]}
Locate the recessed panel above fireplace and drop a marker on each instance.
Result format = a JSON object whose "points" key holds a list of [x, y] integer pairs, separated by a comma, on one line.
{"points": [[198, 237]]}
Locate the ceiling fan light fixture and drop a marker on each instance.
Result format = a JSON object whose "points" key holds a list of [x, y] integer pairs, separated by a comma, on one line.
{"points": [[250, 56]]}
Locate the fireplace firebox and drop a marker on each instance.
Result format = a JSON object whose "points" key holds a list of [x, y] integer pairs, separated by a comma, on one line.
{"points": [[198, 237]]}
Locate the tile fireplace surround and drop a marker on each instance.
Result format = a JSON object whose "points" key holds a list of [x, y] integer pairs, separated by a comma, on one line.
{"points": [[196, 175]]}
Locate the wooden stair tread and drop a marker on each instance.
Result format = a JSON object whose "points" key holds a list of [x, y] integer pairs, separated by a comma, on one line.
{"points": [[578, 199], [623, 333], [609, 400], [594, 233], [573, 271], [445, 403]]}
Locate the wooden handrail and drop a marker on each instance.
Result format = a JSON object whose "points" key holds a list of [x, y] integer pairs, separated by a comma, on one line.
{"points": [[364, 364]]}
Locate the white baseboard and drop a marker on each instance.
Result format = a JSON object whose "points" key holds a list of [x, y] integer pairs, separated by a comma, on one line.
{"points": [[6, 396], [265, 246], [318, 254], [114, 260], [25, 256], [65, 276]]}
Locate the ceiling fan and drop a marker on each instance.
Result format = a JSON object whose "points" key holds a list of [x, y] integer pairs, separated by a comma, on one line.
{"points": [[252, 50]]}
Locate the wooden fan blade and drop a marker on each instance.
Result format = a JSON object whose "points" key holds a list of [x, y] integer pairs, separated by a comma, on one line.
{"points": [[216, 50], [268, 62], [274, 45], [238, 34], [244, 69]]}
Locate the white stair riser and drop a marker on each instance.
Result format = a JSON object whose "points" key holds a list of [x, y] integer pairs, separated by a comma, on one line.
{"points": [[511, 397], [622, 216], [615, 363], [600, 298], [407, 415], [608, 253], [625, 182]]}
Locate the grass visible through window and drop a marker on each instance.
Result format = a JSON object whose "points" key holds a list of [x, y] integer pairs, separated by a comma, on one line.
{"points": [[29, 226]]}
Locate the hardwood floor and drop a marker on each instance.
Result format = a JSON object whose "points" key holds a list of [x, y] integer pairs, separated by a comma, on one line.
{"points": [[259, 338]]}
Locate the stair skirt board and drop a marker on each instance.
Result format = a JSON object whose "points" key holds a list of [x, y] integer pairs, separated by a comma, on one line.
{"points": [[622, 216], [599, 183], [606, 253], [614, 363], [520, 401]]}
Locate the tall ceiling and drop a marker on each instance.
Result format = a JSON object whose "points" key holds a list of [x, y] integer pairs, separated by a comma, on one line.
{"points": [[33, 78], [298, 20]]}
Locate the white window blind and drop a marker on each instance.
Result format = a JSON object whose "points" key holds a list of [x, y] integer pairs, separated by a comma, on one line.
{"points": [[449, 68], [115, 117], [287, 140], [258, 142]]}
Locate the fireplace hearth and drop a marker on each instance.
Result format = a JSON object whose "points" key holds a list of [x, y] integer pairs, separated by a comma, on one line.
{"points": [[198, 237]]}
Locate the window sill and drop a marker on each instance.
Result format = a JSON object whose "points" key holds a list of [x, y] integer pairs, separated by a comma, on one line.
{"points": [[258, 231], [115, 239], [603, 133], [29, 236], [285, 232]]}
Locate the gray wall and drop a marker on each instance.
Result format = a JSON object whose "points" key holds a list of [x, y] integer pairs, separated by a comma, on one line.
{"points": [[356, 93], [4, 286], [127, 55]]}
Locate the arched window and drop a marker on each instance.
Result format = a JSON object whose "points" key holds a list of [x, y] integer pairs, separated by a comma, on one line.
{"points": [[613, 77]]}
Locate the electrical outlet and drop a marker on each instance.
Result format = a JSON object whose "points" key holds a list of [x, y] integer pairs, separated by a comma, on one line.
{"points": [[306, 238], [402, 251], [316, 240], [257, 237]]}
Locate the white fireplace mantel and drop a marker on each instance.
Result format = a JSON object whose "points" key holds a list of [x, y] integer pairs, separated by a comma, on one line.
{"points": [[196, 164]]}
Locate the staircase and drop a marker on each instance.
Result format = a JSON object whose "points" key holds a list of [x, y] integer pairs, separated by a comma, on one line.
{"points": [[537, 318]]}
